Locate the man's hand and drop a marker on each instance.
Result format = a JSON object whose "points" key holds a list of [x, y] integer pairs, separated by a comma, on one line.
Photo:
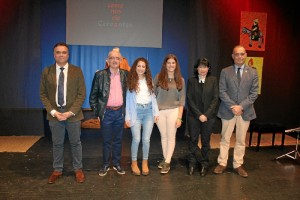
{"points": [[60, 116], [237, 110]]}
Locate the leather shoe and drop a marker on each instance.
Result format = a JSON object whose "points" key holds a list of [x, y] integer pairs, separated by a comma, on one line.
{"points": [[203, 171], [79, 176], [54, 176], [191, 170], [219, 169], [241, 171]]}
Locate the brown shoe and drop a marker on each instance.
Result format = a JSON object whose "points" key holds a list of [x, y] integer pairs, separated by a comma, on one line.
{"points": [[219, 169], [145, 168], [54, 176], [241, 171], [134, 168], [79, 176]]}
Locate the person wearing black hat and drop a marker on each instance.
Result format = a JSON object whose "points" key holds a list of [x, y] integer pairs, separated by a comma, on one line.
{"points": [[202, 102]]}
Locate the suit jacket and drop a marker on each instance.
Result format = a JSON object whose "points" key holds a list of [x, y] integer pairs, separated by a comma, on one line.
{"points": [[210, 97], [231, 93], [76, 91]]}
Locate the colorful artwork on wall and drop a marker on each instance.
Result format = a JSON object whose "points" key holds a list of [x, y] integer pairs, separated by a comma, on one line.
{"points": [[253, 30], [257, 63]]}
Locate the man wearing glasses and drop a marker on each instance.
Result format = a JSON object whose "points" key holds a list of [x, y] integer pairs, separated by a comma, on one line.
{"points": [[107, 99], [238, 90]]}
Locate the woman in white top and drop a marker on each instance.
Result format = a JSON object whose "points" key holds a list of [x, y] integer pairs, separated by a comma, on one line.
{"points": [[141, 111]]}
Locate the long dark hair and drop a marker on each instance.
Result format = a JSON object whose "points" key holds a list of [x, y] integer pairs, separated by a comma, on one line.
{"points": [[133, 79], [163, 74]]}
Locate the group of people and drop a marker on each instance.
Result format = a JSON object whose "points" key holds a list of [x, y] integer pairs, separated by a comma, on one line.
{"points": [[132, 97]]}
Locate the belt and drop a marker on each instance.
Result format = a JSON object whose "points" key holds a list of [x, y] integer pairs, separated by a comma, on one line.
{"points": [[144, 105], [113, 107], [61, 107]]}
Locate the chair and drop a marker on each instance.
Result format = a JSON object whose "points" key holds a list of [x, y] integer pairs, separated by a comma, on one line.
{"points": [[266, 127]]}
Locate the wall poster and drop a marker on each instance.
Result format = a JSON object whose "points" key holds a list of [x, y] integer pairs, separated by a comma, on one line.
{"points": [[257, 63], [253, 30]]}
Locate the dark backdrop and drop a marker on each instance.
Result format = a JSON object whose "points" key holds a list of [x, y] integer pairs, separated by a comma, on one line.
{"points": [[191, 29]]}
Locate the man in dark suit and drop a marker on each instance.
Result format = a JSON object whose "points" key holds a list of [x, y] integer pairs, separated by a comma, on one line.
{"points": [[238, 91], [202, 101], [62, 91]]}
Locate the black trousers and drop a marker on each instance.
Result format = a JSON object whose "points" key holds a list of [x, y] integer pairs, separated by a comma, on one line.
{"points": [[196, 128]]}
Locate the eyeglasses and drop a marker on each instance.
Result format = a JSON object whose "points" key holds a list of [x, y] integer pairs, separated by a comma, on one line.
{"points": [[114, 58], [239, 54]]}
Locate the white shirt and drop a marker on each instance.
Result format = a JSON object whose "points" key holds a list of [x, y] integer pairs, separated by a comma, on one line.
{"points": [[143, 95], [52, 112], [201, 79], [241, 70]]}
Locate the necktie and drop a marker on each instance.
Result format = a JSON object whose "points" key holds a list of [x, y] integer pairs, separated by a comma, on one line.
{"points": [[201, 99], [201, 86], [238, 74], [61, 87]]}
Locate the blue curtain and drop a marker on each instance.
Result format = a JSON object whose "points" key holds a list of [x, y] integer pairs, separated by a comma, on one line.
{"points": [[92, 58]]}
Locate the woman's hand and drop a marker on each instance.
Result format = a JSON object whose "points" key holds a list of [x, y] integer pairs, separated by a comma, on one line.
{"points": [[127, 122], [178, 122]]}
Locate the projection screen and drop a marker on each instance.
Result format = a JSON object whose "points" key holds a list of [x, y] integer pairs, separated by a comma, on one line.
{"points": [[132, 23]]}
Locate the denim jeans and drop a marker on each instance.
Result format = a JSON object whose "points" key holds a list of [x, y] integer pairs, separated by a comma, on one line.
{"points": [[112, 127], [145, 121], [58, 130]]}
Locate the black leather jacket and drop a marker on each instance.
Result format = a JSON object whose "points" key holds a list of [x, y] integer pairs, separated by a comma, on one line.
{"points": [[101, 88]]}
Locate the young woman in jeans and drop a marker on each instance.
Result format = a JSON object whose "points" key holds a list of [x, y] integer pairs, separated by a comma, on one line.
{"points": [[141, 111]]}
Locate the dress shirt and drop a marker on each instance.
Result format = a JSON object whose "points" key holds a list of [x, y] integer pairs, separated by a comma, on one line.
{"points": [[201, 79], [115, 93], [65, 71], [241, 70]]}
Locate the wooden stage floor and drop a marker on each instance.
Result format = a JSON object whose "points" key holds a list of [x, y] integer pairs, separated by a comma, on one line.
{"points": [[24, 175]]}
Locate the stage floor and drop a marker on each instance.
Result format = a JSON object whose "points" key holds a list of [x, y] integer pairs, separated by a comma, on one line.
{"points": [[24, 175]]}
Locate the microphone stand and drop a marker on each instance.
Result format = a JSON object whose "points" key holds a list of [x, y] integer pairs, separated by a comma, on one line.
{"points": [[295, 152]]}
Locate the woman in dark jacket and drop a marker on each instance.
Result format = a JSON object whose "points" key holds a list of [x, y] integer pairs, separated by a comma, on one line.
{"points": [[202, 101]]}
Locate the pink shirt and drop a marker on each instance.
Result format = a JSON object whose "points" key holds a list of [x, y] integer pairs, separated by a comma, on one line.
{"points": [[115, 94]]}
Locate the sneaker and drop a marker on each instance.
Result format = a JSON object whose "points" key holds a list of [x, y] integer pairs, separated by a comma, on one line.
{"points": [[165, 168], [104, 170], [119, 169], [161, 163]]}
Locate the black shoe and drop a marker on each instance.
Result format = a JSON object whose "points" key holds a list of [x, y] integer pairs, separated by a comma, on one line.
{"points": [[104, 170], [203, 171], [191, 170], [119, 169]]}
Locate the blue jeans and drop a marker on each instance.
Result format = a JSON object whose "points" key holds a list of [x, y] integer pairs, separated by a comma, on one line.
{"points": [[144, 119], [112, 127], [58, 130]]}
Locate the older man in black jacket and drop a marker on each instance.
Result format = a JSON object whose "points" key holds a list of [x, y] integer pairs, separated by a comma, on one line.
{"points": [[107, 99]]}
